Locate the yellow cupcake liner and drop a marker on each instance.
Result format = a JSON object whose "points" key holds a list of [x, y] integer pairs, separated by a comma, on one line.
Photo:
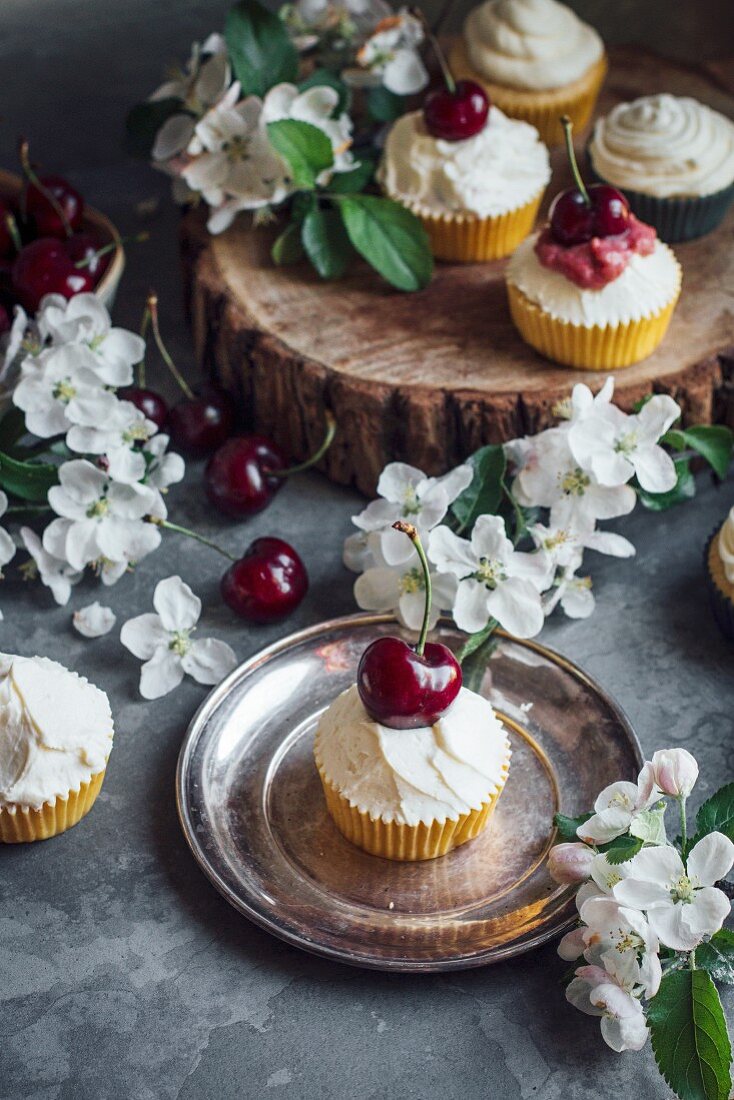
{"points": [[406, 842], [21, 824], [466, 238], [593, 347], [541, 109]]}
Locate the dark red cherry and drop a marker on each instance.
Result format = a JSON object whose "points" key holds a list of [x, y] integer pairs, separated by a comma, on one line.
{"points": [[199, 425], [84, 247], [454, 114], [267, 584], [150, 403], [238, 478], [403, 690], [611, 210], [580, 213], [42, 213], [45, 267]]}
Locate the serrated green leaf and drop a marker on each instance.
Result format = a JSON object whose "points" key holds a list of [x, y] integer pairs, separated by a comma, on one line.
{"points": [[389, 238], [714, 442], [567, 826], [346, 183], [145, 120], [306, 149], [717, 814], [385, 106], [260, 50], [717, 956], [325, 77], [684, 489], [326, 242], [649, 826], [288, 248], [622, 848], [483, 495], [689, 1036], [27, 480]]}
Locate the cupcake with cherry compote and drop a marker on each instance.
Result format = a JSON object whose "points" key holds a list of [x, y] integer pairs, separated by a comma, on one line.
{"points": [[474, 177], [595, 288], [412, 763]]}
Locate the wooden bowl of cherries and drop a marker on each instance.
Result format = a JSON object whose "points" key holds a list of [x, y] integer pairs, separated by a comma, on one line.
{"points": [[51, 242]]}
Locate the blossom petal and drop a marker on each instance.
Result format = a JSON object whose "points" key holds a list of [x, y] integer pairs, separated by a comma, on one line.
{"points": [[660, 864], [178, 607], [667, 923], [405, 73], [209, 661], [144, 635], [711, 859], [378, 589], [94, 620], [471, 612], [655, 469], [707, 912], [450, 553], [161, 674], [629, 1033], [515, 604], [637, 894]]}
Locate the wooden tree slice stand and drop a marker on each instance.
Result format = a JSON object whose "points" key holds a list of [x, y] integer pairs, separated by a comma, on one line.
{"points": [[427, 378]]}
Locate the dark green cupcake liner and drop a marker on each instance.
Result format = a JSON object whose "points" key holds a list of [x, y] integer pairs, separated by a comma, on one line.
{"points": [[722, 608], [676, 219]]}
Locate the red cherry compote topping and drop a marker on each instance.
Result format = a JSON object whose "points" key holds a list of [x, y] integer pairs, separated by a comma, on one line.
{"points": [[267, 583], [581, 213], [406, 687]]}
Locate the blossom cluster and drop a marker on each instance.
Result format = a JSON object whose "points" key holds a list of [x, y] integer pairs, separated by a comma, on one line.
{"points": [[578, 472], [660, 899], [62, 371]]}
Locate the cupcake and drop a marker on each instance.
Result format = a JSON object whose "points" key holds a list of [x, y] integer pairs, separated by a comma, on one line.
{"points": [[411, 762], [55, 738], [595, 288], [674, 159], [536, 59], [720, 575], [477, 197]]}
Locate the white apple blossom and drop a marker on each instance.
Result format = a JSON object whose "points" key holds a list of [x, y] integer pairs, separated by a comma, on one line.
{"points": [[408, 494], [55, 573], [622, 940], [675, 772], [203, 81], [401, 589], [569, 534], [615, 446], [316, 105], [597, 992], [163, 641], [164, 467], [495, 580], [59, 387], [119, 436], [573, 593], [392, 53], [84, 321], [7, 546], [681, 902], [617, 807], [348, 21], [94, 620], [583, 401], [357, 553]]}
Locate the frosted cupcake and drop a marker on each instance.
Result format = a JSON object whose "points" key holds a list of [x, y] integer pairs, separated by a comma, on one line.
{"points": [[595, 288], [720, 575], [411, 762], [536, 59], [477, 197], [674, 158], [55, 738]]}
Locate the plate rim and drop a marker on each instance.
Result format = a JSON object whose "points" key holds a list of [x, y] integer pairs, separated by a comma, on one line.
{"points": [[365, 961]]}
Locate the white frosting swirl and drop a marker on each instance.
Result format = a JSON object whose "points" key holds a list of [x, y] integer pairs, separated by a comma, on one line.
{"points": [[435, 773], [665, 145], [645, 287], [537, 45], [55, 731], [725, 545], [499, 169]]}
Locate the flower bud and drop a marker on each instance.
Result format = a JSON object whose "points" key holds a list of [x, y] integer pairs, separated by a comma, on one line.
{"points": [[675, 772], [570, 862]]}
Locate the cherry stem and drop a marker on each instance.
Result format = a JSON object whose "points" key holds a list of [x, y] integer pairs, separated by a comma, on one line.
{"points": [[167, 526], [567, 132], [316, 456], [135, 239], [446, 73], [144, 322], [12, 225], [153, 311], [30, 173], [412, 533]]}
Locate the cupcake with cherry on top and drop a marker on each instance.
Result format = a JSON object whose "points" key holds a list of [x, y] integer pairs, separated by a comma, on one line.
{"points": [[595, 288], [474, 177]]}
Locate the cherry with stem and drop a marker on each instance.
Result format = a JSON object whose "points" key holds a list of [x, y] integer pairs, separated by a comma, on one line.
{"points": [[459, 110], [54, 205], [580, 213]]}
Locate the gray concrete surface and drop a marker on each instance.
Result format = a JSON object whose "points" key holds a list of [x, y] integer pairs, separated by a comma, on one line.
{"points": [[122, 973]]}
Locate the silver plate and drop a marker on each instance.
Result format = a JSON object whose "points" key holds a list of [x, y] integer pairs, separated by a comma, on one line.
{"points": [[251, 807]]}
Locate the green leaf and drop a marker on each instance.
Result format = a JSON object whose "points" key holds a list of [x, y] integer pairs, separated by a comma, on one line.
{"points": [[259, 47], [717, 956], [622, 848], [27, 480], [306, 149], [343, 183], [567, 826], [326, 243], [385, 106], [484, 494], [717, 814], [714, 442], [684, 489], [689, 1036], [12, 428], [288, 249], [144, 121], [320, 77], [389, 238], [649, 826]]}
